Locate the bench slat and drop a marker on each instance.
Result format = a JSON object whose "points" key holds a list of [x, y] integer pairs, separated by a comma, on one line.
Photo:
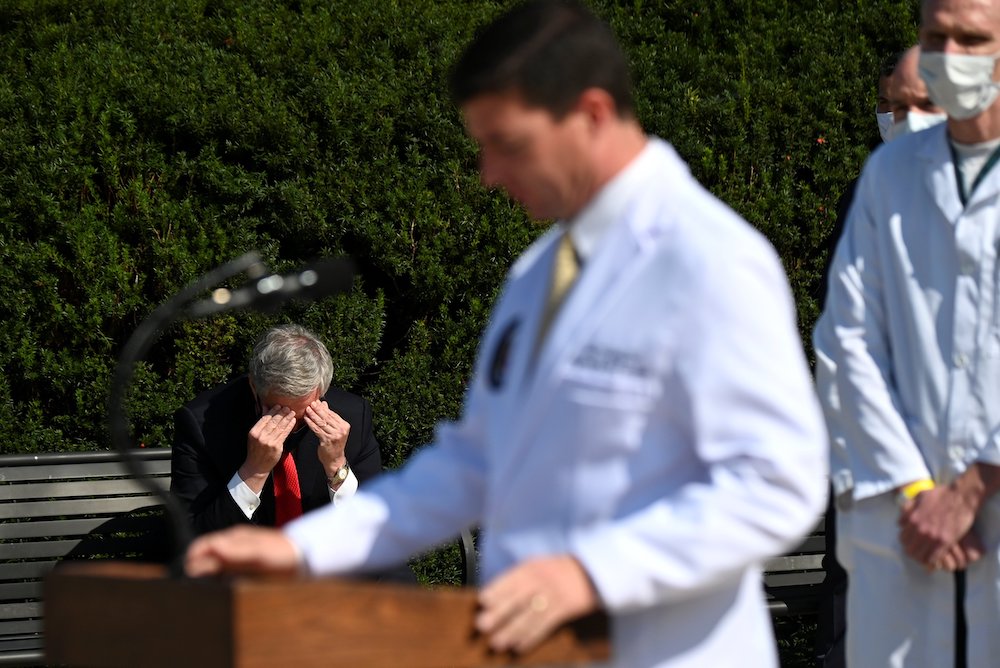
{"points": [[73, 527], [20, 610], [65, 488], [74, 507], [111, 547], [27, 656], [46, 528], [12, 474], [18, 644], [779, 580], [21, 627], [27, 570], [56, 466], [814, 544], [798, 562], [14, 591], [45, 548]]}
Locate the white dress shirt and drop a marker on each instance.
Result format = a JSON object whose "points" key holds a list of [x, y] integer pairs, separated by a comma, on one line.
{"points": [[248, 500]]}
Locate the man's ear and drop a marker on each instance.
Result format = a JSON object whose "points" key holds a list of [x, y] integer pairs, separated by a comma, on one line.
{"points": [[597, 105]]}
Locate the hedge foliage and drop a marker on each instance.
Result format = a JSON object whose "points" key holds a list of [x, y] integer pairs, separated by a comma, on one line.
{"points": [[143, 142]]}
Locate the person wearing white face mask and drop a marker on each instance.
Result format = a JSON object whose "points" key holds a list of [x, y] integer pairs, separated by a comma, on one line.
{"points": [[908, 356], [831, 622], [893, 101], [904, 106], [883, 109], [911, 106]]}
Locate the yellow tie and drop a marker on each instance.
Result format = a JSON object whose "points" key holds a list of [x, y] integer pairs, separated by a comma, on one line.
{"points": [[564, 272]]}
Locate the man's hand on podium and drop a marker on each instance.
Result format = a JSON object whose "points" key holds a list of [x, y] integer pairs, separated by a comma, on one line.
{"points": [[242, 550], [523, 606]]}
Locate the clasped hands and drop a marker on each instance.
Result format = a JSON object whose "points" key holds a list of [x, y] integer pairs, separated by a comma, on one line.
{"points": [[266, 440], [935, 529]]}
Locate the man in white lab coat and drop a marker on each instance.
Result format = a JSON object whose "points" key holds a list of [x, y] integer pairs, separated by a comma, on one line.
{"points": [[656, 443], [908, 362]]}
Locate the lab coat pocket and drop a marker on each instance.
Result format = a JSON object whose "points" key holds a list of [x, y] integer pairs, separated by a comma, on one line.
{"points": [[612, 411], [619, 390]]}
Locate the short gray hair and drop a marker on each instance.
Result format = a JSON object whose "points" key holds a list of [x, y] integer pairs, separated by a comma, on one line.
{"points": [[290, 361]]}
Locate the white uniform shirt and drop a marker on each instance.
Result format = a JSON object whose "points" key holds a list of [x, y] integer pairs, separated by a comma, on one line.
{"points": [[908, 346], [667, 435]]}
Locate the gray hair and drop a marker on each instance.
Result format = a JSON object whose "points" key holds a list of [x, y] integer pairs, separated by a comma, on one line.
{"points": [[290, 361]]}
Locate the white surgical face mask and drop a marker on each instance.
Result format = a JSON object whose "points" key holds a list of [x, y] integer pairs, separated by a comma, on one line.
{"points": [[915, 122], [960, 84], [884, 120]]}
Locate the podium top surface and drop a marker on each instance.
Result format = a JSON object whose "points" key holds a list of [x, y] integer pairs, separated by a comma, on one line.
{"points": [[126, 614]]}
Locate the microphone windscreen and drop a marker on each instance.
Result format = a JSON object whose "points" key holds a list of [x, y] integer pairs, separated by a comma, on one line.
{"points": [[329, 276], [321, 278]]}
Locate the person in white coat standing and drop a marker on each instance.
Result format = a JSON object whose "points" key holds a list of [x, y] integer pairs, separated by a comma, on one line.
{"points": [[908, 367], [641, 447]]}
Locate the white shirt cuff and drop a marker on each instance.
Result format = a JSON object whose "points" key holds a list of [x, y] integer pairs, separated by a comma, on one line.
{"points": [[347, 489], [244, 497]]}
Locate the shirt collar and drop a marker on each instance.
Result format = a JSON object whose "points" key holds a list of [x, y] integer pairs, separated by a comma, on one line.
{"points": [[607, 207]]}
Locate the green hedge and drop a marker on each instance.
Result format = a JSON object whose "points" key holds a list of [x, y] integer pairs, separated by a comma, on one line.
{"points": [[143, 143]]}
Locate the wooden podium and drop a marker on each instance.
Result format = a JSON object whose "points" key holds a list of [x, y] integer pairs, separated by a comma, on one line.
{"points": [[118, 614]]}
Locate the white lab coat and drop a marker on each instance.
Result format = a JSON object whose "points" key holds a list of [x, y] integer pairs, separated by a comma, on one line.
{"points": [[667, 435], [908, 362]]}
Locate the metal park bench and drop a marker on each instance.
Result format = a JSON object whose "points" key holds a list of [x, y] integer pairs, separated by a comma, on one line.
{"points": [[793, 583]]}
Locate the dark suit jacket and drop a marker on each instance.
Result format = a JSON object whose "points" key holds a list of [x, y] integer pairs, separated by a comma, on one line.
{"points": [[210, 445]]}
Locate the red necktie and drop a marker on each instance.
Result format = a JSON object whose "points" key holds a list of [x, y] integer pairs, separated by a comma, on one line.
{"points": [[287, 495]]}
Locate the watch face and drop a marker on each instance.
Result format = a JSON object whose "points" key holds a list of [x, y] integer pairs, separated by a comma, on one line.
{"points": [[342, 473]]}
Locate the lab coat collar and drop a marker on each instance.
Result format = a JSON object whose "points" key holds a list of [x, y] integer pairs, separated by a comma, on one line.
{"points": [[987, 189], [939, 178], [621, 212], [608, 206]]}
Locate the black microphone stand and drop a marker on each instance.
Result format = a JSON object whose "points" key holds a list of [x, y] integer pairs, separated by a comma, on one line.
{"points": [[135, 349]]}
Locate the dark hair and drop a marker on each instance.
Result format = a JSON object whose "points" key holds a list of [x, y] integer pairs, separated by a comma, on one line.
{"points": [[549, 51], [889, 64]]}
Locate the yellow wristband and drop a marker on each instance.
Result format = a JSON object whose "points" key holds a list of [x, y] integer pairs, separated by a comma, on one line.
{"points": [[910, 492]]}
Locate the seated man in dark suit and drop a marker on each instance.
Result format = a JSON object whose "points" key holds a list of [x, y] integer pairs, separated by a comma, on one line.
{"points": [[272, 444]]}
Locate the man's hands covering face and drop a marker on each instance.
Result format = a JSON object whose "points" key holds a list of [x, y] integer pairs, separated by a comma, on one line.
{"points": [[264, 445], [332, 431]]}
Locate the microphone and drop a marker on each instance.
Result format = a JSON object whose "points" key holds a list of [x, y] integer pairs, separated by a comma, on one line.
{"points": [[318, 279]]}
